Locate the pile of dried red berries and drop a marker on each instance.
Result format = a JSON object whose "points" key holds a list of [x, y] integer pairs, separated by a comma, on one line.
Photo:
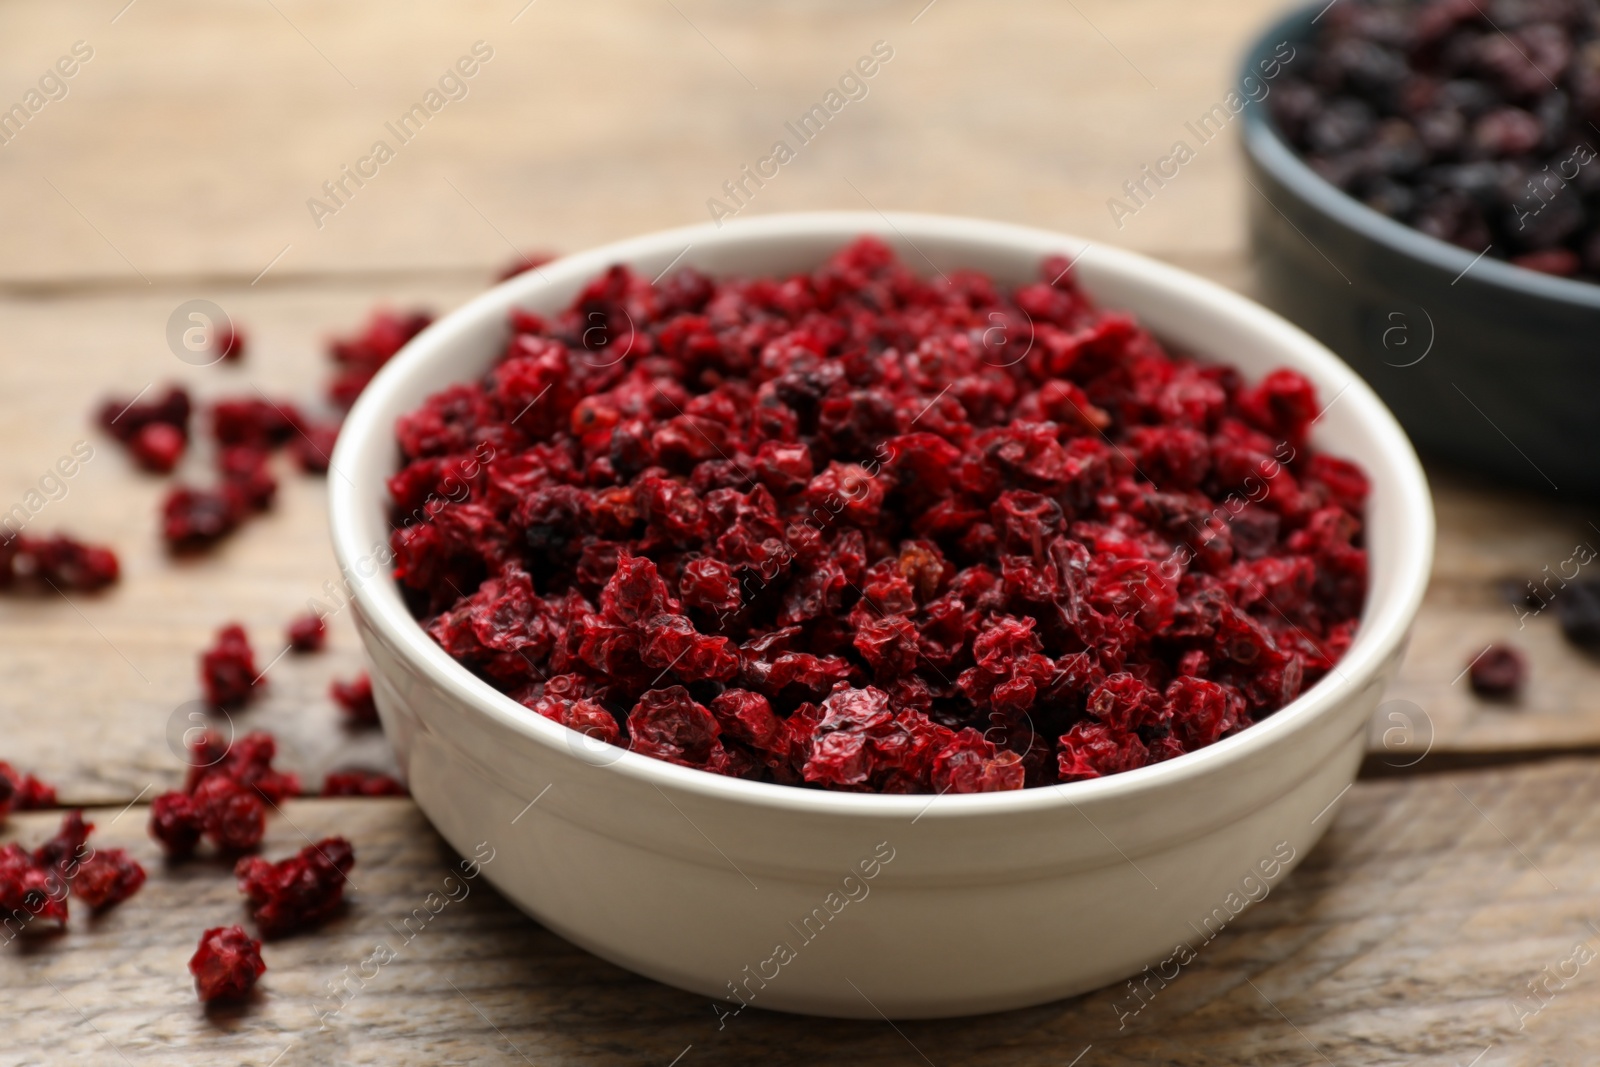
{"points": [[860, 531], [1474, 121]]}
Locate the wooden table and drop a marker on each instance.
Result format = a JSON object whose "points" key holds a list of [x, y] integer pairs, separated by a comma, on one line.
{"points": [[179, 165]]}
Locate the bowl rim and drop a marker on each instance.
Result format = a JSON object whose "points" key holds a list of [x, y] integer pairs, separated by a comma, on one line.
{"points": [[1386, 617], [1265, 145]]}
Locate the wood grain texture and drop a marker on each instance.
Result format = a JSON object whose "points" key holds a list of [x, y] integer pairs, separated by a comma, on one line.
{"points": [[1407, 937], [192, 140]]}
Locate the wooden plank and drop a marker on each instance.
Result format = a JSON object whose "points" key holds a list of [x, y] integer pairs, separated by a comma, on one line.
{"points": [[1408, 936], [192, 140]]}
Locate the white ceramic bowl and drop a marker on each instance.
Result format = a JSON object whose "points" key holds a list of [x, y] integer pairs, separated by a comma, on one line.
{"points": [[749, 892]]}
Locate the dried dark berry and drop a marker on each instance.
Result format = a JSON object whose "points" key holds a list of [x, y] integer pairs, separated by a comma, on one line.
{"points": [[1578, 611], [1498, 672], [107, 878], [1473, 122], [299, 892], [226, 964], [158, 446], [228, 669], [355, 700], [307, 633]]}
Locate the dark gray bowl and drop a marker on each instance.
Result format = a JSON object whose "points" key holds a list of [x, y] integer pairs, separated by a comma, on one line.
{"points": [[1488, 366]]}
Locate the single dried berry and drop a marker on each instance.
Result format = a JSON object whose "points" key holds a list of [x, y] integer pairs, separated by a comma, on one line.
{"points": [[194, 519], [228, 669], [360, 783], [229, 343], [107, 878], [299, 892], [1498, 672], [176, 822], [226, 964], [835, 531], [355, 700], [307, 633], [233, 815]]}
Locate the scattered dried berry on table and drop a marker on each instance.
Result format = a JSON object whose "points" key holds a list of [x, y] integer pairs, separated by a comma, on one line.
{"points": [[355, 700], [360, 357], [28, 889], [229, 343], [1498, 672], [228, 669], [308, 633], [830, 531], [299, 892], [224, 795], [125, 419], [57, 564], [23, 792], [226, 965], [1474, 123], [360, 783], [107, 878]]}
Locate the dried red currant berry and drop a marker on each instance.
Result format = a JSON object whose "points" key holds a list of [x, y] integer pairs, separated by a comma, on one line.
{"points": [[228, 669], [193, 519], [245, 474], [299, 892], [355, 700], [1498, 672], [229, 342], [107, 878], [970, 764], [307, 633], [254, 422], [1200, 712], [64, 852], [670, 725], [234, 817], [23, 792], [29, 888], [176, 822], [158, 446], [123, 419], [360, 783], [226, 964], [1093, 750]]}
